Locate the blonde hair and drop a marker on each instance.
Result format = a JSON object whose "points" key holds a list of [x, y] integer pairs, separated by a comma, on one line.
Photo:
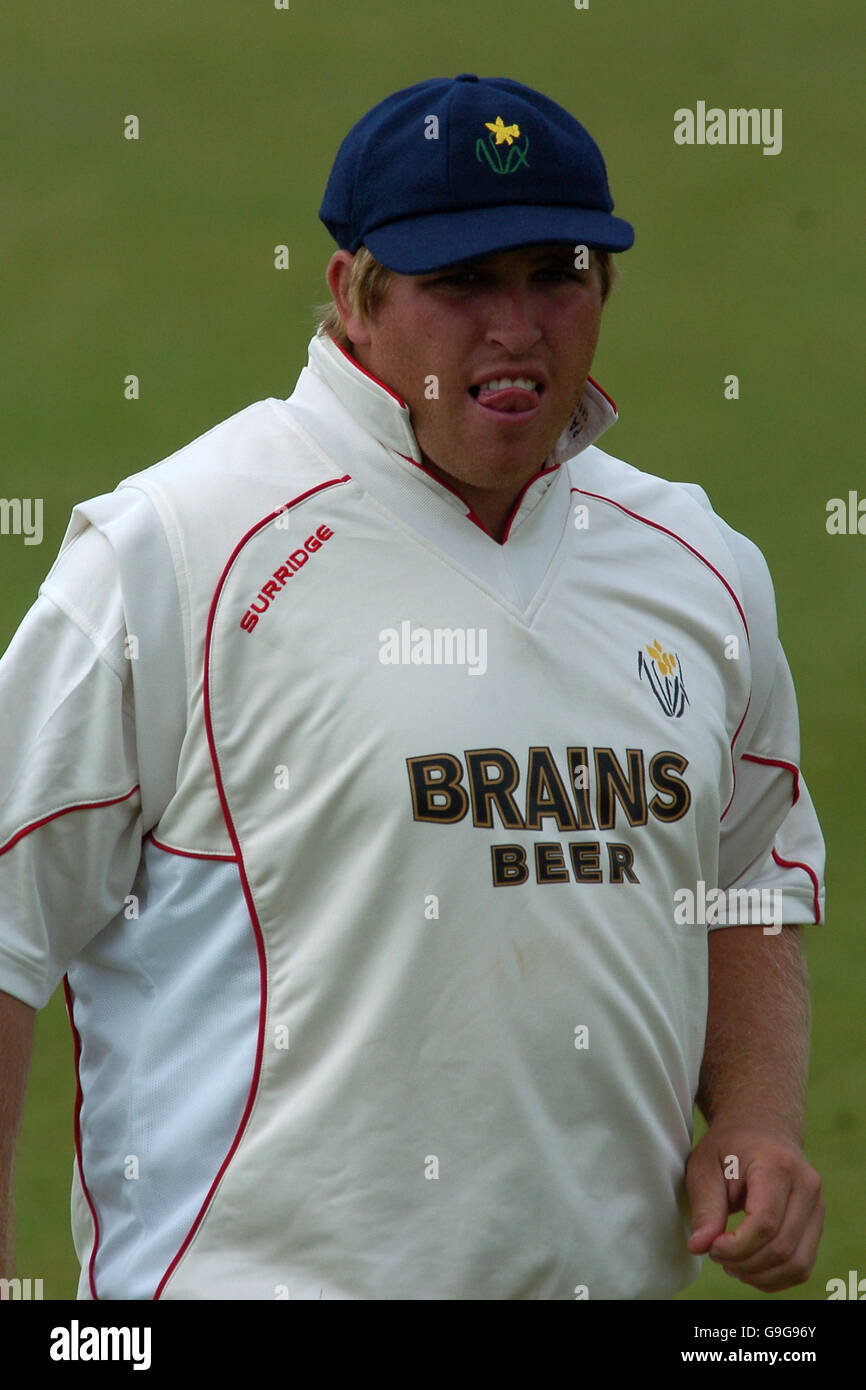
{"points": [[369, 282]]}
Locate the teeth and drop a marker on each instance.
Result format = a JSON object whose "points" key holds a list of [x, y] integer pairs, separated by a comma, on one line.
{"points": [[500, 383]]}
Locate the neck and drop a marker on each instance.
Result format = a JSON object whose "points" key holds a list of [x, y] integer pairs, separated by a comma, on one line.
{"points": [[492, 507]]}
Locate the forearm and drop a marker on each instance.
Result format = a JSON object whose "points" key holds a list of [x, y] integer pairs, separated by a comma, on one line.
{"points": [[16, 1031], [757, 1043]]}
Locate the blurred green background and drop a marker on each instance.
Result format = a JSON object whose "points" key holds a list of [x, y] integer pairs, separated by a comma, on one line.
{"points": [[155, 257]]}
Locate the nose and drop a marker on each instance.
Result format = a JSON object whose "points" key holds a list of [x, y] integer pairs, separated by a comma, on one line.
{"points": [[513, 320]]}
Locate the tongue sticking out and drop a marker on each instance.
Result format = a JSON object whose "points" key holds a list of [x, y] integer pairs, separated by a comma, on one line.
{"points": [[511, 398]]}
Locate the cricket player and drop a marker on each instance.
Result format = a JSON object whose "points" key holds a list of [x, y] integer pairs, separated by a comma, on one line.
{"points": [[392, 777]]}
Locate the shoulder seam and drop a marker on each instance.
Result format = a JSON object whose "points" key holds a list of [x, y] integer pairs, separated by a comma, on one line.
{"points": [[289, 422], [89, 632], [679, 540], [173, 536]]}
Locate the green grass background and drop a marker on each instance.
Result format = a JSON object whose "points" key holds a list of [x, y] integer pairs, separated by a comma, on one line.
{"points": [[156, 257]]}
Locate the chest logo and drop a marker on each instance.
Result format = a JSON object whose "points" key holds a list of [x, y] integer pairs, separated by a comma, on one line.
{"points": [[663, 672]]}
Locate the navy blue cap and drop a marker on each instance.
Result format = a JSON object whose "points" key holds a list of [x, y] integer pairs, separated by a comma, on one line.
{"points": [[454, 168]]}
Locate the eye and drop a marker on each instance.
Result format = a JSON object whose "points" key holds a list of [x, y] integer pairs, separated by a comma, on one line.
{"points": [[559, 276], [457, 279]]}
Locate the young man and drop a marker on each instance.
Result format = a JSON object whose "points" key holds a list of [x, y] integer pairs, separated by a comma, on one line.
{"points": [[376, 738]]}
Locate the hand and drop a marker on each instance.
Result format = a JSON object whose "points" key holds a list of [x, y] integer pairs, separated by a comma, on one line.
{"points": [[775, 1246]]}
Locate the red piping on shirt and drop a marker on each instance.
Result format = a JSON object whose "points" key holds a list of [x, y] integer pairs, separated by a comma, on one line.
{"points": [[778, 762], [76, 1043], [356, 363], [251, 907], [610, 400], [795, 864], [79, 806], [469, 512], [520, 496], [733, 763], [448, 488], [657, 526], [189, 853]]}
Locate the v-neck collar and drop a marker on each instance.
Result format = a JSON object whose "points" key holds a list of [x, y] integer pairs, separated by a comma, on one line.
{"points": [[365, 429], [384, 415]]}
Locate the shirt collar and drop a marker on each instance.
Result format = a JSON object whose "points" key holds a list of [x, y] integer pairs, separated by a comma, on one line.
{"points": [[381, 412]]}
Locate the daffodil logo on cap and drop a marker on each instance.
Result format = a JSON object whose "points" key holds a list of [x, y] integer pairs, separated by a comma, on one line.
{"points": [[439, 198], [489, 149]]}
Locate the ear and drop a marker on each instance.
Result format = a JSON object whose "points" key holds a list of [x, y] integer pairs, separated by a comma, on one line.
{"points": [[337, 275]]}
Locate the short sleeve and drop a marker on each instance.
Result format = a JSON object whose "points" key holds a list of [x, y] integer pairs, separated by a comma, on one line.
{"points": [[770, 838], [70, 824]]}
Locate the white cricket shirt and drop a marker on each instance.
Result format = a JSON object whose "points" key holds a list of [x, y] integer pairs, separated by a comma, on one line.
{"points": [[357, 836]]}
